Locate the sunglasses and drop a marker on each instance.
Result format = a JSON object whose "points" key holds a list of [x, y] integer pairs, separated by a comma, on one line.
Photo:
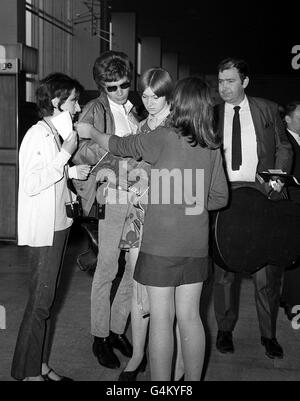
{"points": [[114, 88]]}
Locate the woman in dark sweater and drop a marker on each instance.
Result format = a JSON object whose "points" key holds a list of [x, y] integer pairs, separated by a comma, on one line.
{"points": [[187, 180]]}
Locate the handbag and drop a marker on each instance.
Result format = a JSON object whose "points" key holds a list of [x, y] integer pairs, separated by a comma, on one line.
{"points": [[73, 207]]}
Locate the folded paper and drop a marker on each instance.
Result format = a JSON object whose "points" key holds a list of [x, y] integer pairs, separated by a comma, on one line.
{"points": [[63, 124]]}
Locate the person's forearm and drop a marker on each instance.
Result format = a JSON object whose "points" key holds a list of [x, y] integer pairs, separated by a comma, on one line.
{"points": [[89, 131], [101, 139]]}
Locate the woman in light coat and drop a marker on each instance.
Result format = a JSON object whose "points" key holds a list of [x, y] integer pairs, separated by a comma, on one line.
{"points": [[43, 224]]}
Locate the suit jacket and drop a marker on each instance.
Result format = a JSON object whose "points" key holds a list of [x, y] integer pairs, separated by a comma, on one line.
{"points": [[294, 192], [274, 150]]}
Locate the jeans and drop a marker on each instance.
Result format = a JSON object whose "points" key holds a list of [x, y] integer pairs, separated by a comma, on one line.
{"points": [[32, 347], [106, 317]]}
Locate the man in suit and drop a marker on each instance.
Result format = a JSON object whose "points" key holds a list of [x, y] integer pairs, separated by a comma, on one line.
{"points": [[292, 120], [254, 140], [290, 291]]}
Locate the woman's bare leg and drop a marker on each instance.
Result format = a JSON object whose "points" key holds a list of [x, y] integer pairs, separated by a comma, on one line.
{"points": [[161, 343], [179, 365], [192, 335], [139, 326]]}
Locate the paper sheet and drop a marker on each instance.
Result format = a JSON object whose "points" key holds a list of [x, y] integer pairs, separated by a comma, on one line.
{"points": [[63, 123]]}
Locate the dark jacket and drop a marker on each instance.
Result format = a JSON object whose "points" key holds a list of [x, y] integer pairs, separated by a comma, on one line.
{"points": [[98, 113], [294, 192]]}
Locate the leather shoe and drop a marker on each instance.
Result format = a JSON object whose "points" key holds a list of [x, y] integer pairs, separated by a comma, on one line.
{"points": [[103, 351], [224, 342], [121, 343], [273, 349], [47, 377], [130, 375]]}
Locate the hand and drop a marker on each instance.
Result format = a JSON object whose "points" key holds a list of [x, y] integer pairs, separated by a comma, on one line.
{"points": [[70, 144], [89, 131], [276, 184], [83, 171], [83, 129]]}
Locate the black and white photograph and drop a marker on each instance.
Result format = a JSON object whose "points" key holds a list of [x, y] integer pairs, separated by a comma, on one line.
{"points": [[150, 194]]}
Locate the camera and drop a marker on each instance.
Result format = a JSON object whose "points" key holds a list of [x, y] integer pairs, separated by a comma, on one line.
{"points": [[74, 209]]}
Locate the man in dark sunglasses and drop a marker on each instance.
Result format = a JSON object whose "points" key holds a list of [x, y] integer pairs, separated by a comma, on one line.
{"points": [[114, 88], [110, 113]]}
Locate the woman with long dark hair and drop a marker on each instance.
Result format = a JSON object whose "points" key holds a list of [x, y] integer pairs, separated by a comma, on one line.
{"points": [[187, 180]]}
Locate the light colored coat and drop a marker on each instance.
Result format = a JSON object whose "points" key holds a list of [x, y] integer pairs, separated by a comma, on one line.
{"points": [[41, 165]]}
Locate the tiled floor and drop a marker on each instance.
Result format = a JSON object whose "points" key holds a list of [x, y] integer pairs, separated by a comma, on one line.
{"points": [[71, 352]]}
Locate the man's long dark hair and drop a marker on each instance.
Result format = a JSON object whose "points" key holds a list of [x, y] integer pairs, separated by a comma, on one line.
{"points": [[111, 66], [192, 112]]}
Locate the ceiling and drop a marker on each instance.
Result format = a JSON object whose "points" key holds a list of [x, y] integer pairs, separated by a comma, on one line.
{"points": [[203, 33]]}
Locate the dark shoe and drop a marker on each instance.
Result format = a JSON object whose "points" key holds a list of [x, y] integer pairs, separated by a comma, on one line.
{"points": [[273, 349], [103, 351], [130, 376], [120, 342], [224, 342], [47, 377]]}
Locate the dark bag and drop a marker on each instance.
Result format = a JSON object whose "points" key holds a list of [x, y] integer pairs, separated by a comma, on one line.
{"points": [[74, 208]]}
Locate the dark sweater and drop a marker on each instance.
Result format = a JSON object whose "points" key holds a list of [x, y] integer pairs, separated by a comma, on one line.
{"points": [[179, 228]]}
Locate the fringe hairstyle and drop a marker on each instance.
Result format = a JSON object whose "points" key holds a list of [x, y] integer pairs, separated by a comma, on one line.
{"points": [[55, 85], [111, 66], [159, 81]]}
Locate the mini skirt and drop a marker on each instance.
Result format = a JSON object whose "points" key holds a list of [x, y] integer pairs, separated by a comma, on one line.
{"points": [[163, 271]]}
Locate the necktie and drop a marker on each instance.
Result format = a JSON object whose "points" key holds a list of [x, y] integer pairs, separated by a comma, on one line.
{"points": [[236, 144]]}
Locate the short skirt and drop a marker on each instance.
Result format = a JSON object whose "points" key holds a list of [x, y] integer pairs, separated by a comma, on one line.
{"points": [[163, 271]]}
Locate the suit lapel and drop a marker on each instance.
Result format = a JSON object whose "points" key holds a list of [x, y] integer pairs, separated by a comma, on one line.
{"points": [[258, 118], [258, 122], [292, 140]]}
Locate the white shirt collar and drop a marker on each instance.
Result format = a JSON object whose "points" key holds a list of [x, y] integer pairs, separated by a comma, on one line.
{"points": [[159, 117], [243, 105], [122, 107]]}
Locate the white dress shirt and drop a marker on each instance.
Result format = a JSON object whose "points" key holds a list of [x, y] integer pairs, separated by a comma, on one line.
{"points": [[247, 170], [295, 136], [124, 126]]}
